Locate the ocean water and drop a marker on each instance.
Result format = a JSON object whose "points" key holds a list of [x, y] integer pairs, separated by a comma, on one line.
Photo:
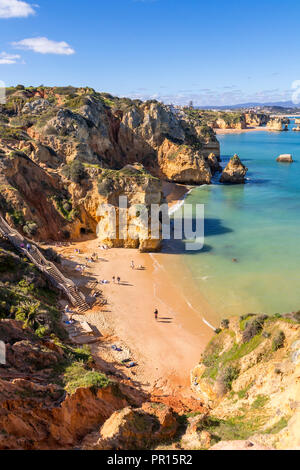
{"points": [[258, 224]]}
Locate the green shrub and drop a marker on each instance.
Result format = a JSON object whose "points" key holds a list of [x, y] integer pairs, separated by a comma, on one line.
{"points": [[252, 328], [17, 217], [105, 186], [230, 374], [42, 331], [77, 376], [234, 428], [30, 228], [76, 102], [225, 323]]}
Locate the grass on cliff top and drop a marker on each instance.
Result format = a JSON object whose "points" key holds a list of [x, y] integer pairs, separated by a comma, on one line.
{"points": [[233, 428], [108, 179], [77, 376], [126, 172]]}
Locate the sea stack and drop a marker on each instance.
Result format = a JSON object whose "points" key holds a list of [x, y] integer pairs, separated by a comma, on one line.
{"points": [[277, 124], [235, 172], [285, 158]]}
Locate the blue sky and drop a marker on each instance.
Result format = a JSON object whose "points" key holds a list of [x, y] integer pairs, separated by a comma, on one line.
{"points": [[213, 52]]}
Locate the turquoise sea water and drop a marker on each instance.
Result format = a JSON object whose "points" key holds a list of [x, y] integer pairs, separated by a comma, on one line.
{"points": [[257, 223]]}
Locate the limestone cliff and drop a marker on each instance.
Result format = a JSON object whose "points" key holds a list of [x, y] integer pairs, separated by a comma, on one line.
{"points": [[256, 119], [54, 143], [223, 123]]}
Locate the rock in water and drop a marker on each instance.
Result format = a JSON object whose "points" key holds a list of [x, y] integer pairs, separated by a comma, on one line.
{"points": [[285, 158], [235, 172]]}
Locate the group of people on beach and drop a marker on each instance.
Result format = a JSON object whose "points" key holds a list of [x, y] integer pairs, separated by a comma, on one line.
{"points": [[115, 279]]}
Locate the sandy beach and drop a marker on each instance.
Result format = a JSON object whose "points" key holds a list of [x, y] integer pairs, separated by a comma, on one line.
{"points": [[165, 350]]}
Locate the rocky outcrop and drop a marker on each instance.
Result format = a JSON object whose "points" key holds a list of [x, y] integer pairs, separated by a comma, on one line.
{"points": [[182, 164], [235, 172], [213, 163], [277, 124], [248, 376], [285, 158]]}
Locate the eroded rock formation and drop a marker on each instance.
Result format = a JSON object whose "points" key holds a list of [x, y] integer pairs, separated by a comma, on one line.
{"points": [[55, 142], [235, 172], [277, 124]]}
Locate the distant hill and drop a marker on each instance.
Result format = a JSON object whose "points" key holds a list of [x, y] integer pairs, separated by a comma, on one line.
{"points": [[276, 104]]}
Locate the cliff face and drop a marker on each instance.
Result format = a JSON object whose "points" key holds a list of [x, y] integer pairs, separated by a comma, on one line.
{"points": [[238, 123], [277, 124], [54, 142], [249, 377]]}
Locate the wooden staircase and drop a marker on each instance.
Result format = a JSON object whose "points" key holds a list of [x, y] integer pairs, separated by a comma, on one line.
{"points": [[45, 266]]}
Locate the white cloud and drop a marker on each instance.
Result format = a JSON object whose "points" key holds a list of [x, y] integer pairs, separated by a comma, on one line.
{"points": [[44, 46], [8, 59], [15, 9]]}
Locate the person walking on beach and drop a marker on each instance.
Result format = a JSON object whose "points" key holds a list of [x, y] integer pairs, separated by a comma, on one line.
{"points": [[114, 279], [156, 313], [132, 264], [118, 280]]}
